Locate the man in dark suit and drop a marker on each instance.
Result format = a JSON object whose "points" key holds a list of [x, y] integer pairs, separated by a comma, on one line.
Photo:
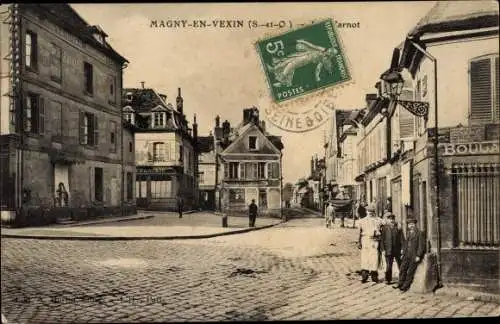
{"points": [[392, 243], [180, 204], [252, 213], [413, 252]]}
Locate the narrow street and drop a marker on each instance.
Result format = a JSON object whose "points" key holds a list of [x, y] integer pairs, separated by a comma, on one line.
{"points": [[298, 270]]}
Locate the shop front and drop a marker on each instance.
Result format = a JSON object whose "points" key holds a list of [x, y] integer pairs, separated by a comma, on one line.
{"points": [[470, 214]]}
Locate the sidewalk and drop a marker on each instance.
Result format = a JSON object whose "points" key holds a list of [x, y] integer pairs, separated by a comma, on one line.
{"points": [[144, 226]]}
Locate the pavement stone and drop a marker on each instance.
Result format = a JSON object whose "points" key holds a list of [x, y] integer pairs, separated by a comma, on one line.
{"points": [[298, 270]]}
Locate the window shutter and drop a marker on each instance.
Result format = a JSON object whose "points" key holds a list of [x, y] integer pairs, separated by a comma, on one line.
{"points": [[96, 131], [150, 152], [34, 50], [41, 116], [82, 127], [242, 170], [406, 123], [497, 90], [480, 92]]}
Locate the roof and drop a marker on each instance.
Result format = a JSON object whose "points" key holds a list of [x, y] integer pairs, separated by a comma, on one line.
{"points": [[342, 117], [205, 144], [448, 16], [143, 100], [67, 18], [276, 141]]}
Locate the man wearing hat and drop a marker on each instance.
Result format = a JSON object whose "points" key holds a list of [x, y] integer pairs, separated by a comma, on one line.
{"points": [[413, 252], [369, 240], [391, 244]]}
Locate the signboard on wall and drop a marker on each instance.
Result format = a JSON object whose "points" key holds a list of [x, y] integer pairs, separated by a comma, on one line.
{"points": [[472, 148]]}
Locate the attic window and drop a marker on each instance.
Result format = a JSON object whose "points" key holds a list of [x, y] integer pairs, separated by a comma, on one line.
{"points": [[129, 96], [252, 142]]}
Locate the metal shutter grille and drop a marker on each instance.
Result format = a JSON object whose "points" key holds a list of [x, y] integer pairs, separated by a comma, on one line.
{"points": [[480, 76]]}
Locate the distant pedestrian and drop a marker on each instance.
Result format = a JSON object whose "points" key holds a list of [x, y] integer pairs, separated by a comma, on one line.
{"points": [[252, 213], [369, 240], [391, 245], [413, 252], [180, 204], [329, 215]]}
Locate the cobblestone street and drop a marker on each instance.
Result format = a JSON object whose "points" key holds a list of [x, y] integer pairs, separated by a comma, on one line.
{"points": [[297, 270]]}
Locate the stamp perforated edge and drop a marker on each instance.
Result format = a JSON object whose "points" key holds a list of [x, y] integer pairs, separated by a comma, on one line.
{"points": [[307, 97]]}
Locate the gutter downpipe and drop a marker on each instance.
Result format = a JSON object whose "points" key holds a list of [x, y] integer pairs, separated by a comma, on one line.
{"points": [[436, 164], [123, 67]]}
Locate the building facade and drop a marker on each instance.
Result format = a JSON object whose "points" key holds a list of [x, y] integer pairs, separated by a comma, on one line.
{"points": [[468, 118], [207, 171], [249, 165], [61, 123], [455, 199], [165, 150]]}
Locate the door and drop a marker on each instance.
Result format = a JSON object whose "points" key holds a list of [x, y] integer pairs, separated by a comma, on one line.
{"points": [[263, 198], [61, 185]]}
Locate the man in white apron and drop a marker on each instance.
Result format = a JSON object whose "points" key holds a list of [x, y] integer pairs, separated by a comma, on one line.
{"points": [[369, 240]]}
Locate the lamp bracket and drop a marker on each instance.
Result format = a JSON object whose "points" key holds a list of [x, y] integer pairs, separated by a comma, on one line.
{"points": [[417, 108]]}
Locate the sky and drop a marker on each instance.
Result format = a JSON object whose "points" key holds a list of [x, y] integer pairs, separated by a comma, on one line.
{"points": [[219, 69]]}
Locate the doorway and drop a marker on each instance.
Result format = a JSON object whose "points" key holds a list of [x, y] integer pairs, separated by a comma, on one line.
{"points": [[263, 198], [61, 185]]}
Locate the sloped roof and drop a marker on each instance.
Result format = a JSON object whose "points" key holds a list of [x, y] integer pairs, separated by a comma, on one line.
{"points": [[67, 17], [276, 140], [143, 100], [342, 117], [448, 16]]}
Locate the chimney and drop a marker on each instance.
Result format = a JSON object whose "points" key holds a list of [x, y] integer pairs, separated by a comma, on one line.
{"points": [[251, 115], [312, 165], [226, 129], [370, 98], [142, 84], [247, 115], [180, 101], [263, 126], [195, 128], [218, 129]]}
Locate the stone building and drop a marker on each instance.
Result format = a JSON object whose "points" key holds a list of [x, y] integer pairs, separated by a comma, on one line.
{"points": [[249, 165], [165, 148], [207, 171], [448, 70], [463, 40], [61, 123]]}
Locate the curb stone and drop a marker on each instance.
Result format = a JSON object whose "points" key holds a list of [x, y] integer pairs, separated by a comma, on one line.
{"points": [[131, 238]]}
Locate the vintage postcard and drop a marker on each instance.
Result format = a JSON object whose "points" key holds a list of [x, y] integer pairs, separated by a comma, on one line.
{"points": [[185, 162]]}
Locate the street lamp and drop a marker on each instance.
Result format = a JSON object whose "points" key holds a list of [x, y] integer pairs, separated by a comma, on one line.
{"points": [[391, 87]]}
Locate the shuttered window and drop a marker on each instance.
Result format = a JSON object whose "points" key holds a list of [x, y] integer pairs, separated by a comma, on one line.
{"points": [[477, 197], [484, 89], [406, 124]]}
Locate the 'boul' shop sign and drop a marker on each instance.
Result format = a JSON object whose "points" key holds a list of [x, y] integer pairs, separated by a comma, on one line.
{"points": [[473, 148]]}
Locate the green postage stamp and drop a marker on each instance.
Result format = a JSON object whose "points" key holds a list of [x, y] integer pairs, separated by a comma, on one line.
{"points": [[302, 61]]}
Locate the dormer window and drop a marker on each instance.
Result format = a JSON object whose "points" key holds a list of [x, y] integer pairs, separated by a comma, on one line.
{"points": [[252, 143], [159, 119], [129, 97]]}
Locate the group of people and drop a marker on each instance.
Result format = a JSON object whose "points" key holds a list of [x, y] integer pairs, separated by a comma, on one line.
{"points": [[383, 238]]}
